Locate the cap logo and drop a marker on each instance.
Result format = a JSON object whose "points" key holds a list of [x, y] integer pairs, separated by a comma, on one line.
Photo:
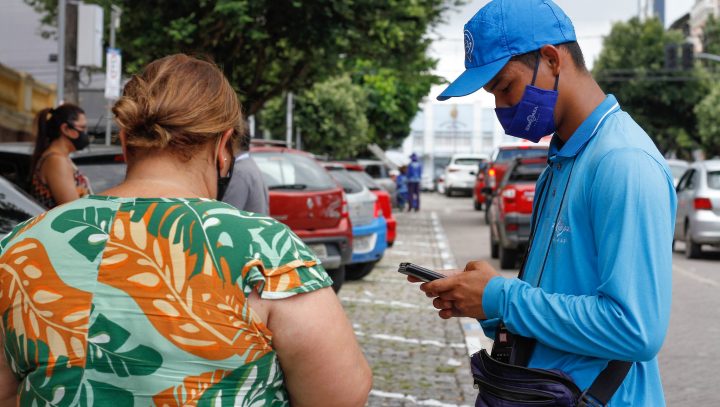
{"points": [[469, 44]]}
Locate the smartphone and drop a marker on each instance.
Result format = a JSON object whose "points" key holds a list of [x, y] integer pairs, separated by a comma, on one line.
{"points": [[422, 273]]}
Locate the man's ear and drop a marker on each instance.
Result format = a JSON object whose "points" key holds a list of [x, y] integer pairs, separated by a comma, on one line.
{"points": [[553, 58]]}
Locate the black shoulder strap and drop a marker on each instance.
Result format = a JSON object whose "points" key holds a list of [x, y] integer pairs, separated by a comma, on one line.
{"points": [[606, 384]]}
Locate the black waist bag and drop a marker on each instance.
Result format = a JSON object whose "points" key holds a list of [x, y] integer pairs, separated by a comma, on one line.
{"points": [[504, 385]]}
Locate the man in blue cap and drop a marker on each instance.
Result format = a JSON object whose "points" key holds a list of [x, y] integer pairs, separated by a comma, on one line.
{"points": [[596, 282]]}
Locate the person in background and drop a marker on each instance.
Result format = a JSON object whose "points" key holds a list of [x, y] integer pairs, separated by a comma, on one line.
{"points": [[414, 174], [402, 188], [54, 179], [157, 293], [247, 190]]}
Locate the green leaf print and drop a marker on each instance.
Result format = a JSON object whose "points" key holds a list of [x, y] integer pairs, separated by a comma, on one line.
{"points": [[256, 384], [105, 338], [94, 393], [92, 226]]}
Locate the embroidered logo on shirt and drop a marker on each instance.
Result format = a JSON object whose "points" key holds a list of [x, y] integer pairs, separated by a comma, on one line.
{"points": [[562, 232]]}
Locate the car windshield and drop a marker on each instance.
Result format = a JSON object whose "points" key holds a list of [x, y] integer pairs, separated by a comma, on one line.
{"points": [[713, 179], [349, 184], [364, 179], [103, 176], [292, 171], [508, 154], [677, 170], [526, 172], [468, 161], [15, 207]]}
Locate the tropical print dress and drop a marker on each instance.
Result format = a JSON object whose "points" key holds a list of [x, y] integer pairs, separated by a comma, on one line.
{"points": [[130, 301]]}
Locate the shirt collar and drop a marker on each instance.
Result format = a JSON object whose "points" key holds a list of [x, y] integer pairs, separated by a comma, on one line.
{"points": [[585, 132]]}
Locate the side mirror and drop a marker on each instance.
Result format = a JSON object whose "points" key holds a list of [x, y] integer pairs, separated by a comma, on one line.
{"points": [[473, 173]]}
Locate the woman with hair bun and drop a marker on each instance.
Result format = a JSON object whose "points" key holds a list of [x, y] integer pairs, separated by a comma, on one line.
{"points": [[157, 293], [54, 179]]}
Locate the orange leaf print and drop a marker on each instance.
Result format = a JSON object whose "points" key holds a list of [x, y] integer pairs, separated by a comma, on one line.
{"points": [[190, 391], [202, 315], [42, 307]]}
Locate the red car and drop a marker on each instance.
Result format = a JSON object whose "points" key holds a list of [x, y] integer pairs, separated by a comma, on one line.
{"points": [[511, 209], [305, 197], [488, 178], [384, 202]]}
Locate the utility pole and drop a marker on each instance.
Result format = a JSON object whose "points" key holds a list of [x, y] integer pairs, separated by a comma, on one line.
{"points": [[72, 74], [60, 89], [289, 119], [114, 23]]}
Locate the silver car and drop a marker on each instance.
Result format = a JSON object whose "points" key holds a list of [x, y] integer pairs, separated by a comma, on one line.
{"points": [[698, 212]]}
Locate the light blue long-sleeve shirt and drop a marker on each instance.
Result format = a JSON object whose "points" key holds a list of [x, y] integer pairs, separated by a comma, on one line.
{"points": [[605, 257]]}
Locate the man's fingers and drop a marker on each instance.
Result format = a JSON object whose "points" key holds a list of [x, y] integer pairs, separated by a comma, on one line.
{"points": [[439, 303], [438, 286], [414, 279]]}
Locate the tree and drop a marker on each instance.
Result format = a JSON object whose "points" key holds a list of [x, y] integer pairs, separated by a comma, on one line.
{"points": [[708, 120], [662, 102], [330, 115], [267, 47]]}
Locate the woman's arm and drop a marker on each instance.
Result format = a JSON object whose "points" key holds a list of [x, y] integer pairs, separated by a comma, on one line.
{"points": [[320, 357], [8, 383], [60, 177]]}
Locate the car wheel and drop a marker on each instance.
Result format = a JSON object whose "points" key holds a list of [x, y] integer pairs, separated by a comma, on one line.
{"points": [[692, 250], [338, 277], [358, 270], [494, 247], [477, 205], [508, 258]]}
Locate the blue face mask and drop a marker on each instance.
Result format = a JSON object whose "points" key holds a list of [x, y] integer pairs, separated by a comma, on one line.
{"points": [[533, 117]]}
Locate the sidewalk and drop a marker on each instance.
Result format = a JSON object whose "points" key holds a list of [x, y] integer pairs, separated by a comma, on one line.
{"points": [[417, 358]]}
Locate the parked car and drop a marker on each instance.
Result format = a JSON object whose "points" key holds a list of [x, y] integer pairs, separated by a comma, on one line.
{"points": [[307, 199], [384, 203], [480, 199], [378, 171], [15, 206], [677, 168], [495, 171], [103, 165], [460, 173], [511, 209], [368, 226], [697, 221]]}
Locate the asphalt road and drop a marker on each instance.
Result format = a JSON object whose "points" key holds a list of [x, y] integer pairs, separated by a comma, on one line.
{"points": [[691, 352]]}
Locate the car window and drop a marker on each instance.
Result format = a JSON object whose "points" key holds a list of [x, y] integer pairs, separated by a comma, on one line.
{"points": [[364, 179], [15, 207], [692, 180], [376, 171], [677, 170], [292, 171], [526, 172], [508, 154], [713, 179], [103, 176], [683, 180], [468, 161], [349, 184]]}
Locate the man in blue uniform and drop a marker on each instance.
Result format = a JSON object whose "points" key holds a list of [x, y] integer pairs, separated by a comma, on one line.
{"points": [[596, 285], [414, 177]]}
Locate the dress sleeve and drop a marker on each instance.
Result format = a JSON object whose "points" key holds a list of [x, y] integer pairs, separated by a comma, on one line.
{"points": [[280, 265]]}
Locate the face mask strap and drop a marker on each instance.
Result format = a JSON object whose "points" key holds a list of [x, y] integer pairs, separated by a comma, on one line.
{"points": [[537, 67]]}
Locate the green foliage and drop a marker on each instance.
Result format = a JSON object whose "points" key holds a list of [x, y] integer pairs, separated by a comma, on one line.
{"points": [[711, 36], [708, 116], [663, 108], [269, 47], [331, 116]]}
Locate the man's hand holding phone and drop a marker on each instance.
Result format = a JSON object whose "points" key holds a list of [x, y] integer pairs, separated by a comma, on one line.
{"points": [[460, 293]]}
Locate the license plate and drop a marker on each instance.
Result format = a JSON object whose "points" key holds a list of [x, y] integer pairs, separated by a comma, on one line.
{"points": [[363, 244], [320, 250]]}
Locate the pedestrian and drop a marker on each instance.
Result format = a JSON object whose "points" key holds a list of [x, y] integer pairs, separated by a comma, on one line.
{"points": [[595, 287], [157, 293], [401, 182], [414, 176], [247, 190], [54, 179]]}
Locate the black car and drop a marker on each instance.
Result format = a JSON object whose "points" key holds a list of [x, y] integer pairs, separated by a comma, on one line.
{"points": [[103, 165], [15, 206]]}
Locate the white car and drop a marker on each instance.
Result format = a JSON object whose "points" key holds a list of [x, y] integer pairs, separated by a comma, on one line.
{"points": [[460, 174]]}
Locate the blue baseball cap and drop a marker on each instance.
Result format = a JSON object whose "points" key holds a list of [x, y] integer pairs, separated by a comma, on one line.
{"points": [[501, 30]]}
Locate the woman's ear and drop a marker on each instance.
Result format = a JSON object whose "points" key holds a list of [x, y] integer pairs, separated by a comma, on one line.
{"points": [[123, 143], [65, 131], [224, 152]]}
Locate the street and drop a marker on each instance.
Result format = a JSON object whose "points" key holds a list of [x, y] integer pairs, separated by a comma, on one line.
{"points": [[419, 359]]}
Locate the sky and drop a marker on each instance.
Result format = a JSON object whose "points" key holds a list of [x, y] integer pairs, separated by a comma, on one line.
{"points": [[592, 20]]}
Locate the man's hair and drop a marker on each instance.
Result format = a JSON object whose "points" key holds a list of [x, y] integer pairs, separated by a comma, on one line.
{"points": [[529, 59]]}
